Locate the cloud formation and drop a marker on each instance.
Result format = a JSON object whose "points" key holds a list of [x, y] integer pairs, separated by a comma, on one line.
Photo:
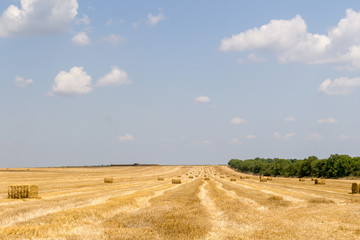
{"points": [[339, 86], [114, 39], [237, 121], [250, 136], [289, 119], [81, 39], [277, 135], [115, 77], [235, 141], [327, 120], [290, 41], [74, 82], [126, 138], [316, 136], [22, 82], [202, 99], [153, 20], [38, 18]]}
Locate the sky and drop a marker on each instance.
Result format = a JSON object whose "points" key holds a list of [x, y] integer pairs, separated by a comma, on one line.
{"points": [[85, 82]]}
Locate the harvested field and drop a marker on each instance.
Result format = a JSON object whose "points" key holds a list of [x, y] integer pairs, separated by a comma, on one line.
{"points": [[74, 203]]}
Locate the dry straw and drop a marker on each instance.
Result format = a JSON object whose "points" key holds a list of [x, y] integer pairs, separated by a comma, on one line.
{"points": [[320, 181], [23, 191], [301, 179], [355, 188], [176, 181], [108, 180]]}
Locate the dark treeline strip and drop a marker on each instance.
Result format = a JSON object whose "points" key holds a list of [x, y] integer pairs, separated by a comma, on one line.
{"points": [[334, 167]]}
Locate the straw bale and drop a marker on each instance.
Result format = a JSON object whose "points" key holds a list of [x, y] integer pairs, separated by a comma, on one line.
{"points": [[221, 176], [269, 178], [247, 177], [355, 188], [242, 177], [263, 179], [176, 181], [196, 175], [191, 177], [23, 191], [320, 181], [301, 179], [206, 178], [108, 180], [232, 179], [160, 179]]}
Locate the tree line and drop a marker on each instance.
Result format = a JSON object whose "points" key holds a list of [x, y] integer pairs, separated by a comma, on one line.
{"points": [[333, 167]]}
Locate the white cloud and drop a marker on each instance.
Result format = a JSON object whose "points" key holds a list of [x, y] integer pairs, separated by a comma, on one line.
{"points": [[289, 119], [153, 20], [290, 41], [150, 19], [277, 135], [206, 142], [38, 18], [235, 141], [250, 136], [115, 77], [315, 136], [344, 137], [339, 86], [22, 82], [126, 138], [202, 99], [81, 39], [327, 120], [114, 39], [236, 121], [85, 20], [74, 82]]}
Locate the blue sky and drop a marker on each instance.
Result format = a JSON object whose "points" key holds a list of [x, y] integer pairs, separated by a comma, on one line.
{"points": [[177, 82]]}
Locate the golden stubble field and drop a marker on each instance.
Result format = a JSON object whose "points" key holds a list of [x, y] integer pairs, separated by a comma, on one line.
{"points": [[76, 204]]}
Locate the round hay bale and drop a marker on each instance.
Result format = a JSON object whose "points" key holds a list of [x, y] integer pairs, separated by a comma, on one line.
{"points": [[320, 181], [301, 179], [233, 179], [160, 179], [355, 188], [108, 180], [263, 179], [176, 181], [206, 178], [221, 176], [269, 178], [191, 177]]}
